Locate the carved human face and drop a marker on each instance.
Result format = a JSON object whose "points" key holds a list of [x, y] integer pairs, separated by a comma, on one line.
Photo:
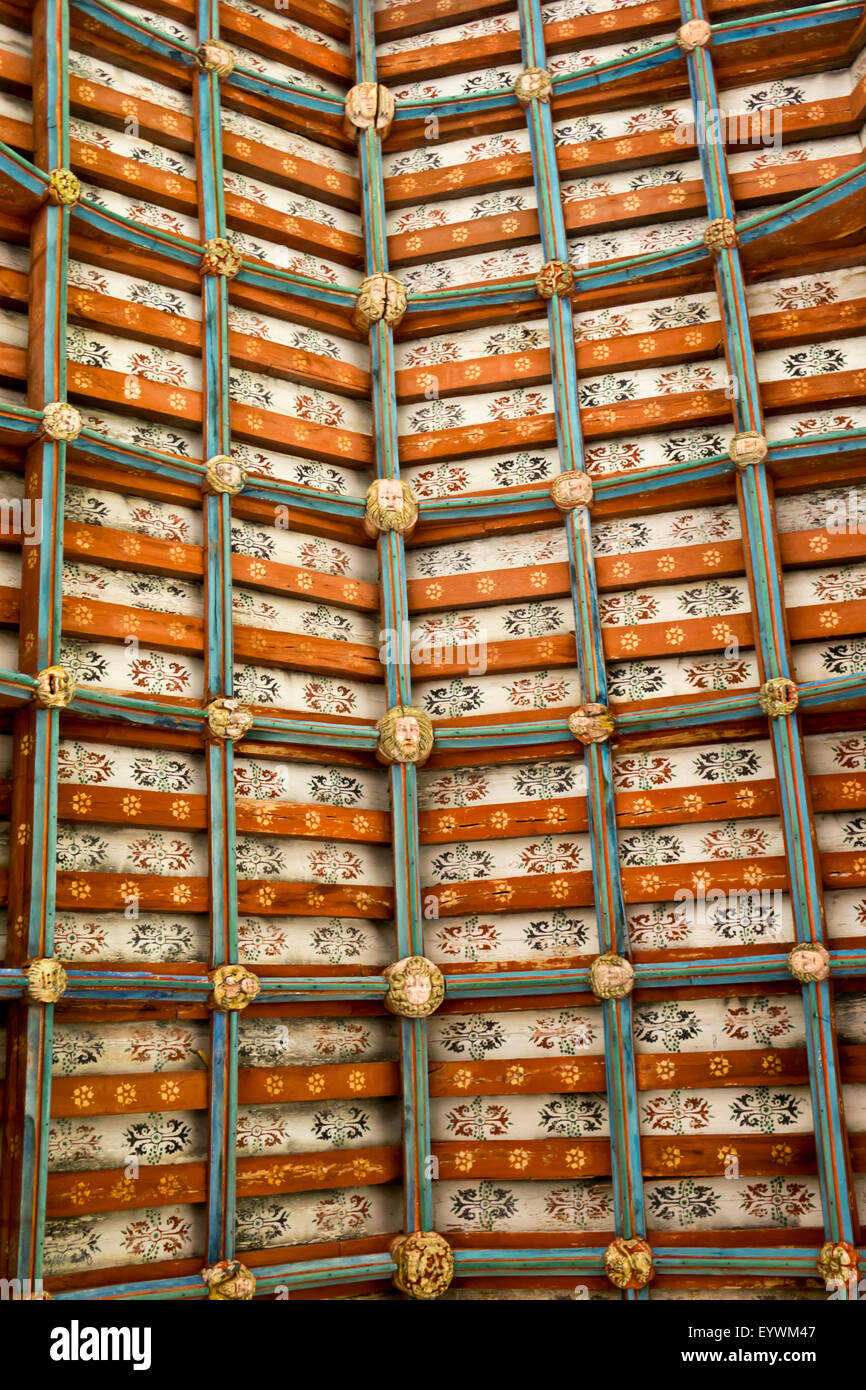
{"points": [[809, 961], [695, 32], [417, 988], [614, 975], [407, 735], [389, 494]]}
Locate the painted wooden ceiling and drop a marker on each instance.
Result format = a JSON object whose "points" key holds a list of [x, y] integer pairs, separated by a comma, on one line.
{"points": [[627, 390]]}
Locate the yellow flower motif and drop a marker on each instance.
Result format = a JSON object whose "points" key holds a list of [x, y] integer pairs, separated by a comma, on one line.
{"points": [[666, 564], [462, 1079], [556, 815], [360, 825], [782, 1154], [693, 803], [181, 893], [169, 1090], [485, 585], [675, 636], [500, 819], [361, 1168], [79, 1194], [650, 883], [719, 1066], [433, 591], [274, 1084], [754, 876], [515, 1075], [575, 1158], [463, 1160], [519, 1158], [125, 1094], [744, 796], [82, 1097], [123, 1190], [622, 569], [722, 633], [316, 1083], [771, 1063], [851, 790], [81, 803], [829, 618], [79, 888], [671, 1157], [357, 1081], [569, 1074], [665, 1069], [818, 544], [559, 889], [312, 820], [539, 579], [447, 824], [727, 1154], [304, 580], [316, 899], [169, 1185], [180, 810], [131, 805], [629, 642], [266, 895], [642, 806]]}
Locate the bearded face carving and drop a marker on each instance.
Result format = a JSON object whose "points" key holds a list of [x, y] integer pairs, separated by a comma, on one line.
{"points": [[214, 56], [405, 736], [379, 297], [46, 981], [416, 987], [60, 420], [391, 506], [369, 106], [778, 697], [809, 963]]}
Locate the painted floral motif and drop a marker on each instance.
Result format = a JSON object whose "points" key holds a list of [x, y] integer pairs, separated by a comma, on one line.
{"points": [[735, 841], [157, 1138], [468, 940], [566, 1033], [462, 787], [342, 1214], [157, 1047], [670, 1024], [571, 1116], [579, 1205], [658, 927], [766, 1110], [479, 1119], [778, 1201], [461, 862], [557, 933], [761, 1020], [336, 941], [642, 772], [684, 1203], [677, 1113], [550, 856], [485, 1207], [158, 1234], [473, 1036], [650, 846], [728, 763]]}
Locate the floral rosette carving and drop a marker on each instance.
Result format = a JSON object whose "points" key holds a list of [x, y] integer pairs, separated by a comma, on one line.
{"points": [[570, 490], [64, 187], [628, 1264], [229, 1281], [554, 278], [46, 980], [405, 736], [809, 962], [591, 723], [379, 297], [778, 697], [390, 505], [369, 106], [228, 719], [55, 687], [215, 56], [533, 84], [61, 421], [219, 257], [425, 1264], [611, 976], [720, 235], [234, 987], [416, 987]]}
